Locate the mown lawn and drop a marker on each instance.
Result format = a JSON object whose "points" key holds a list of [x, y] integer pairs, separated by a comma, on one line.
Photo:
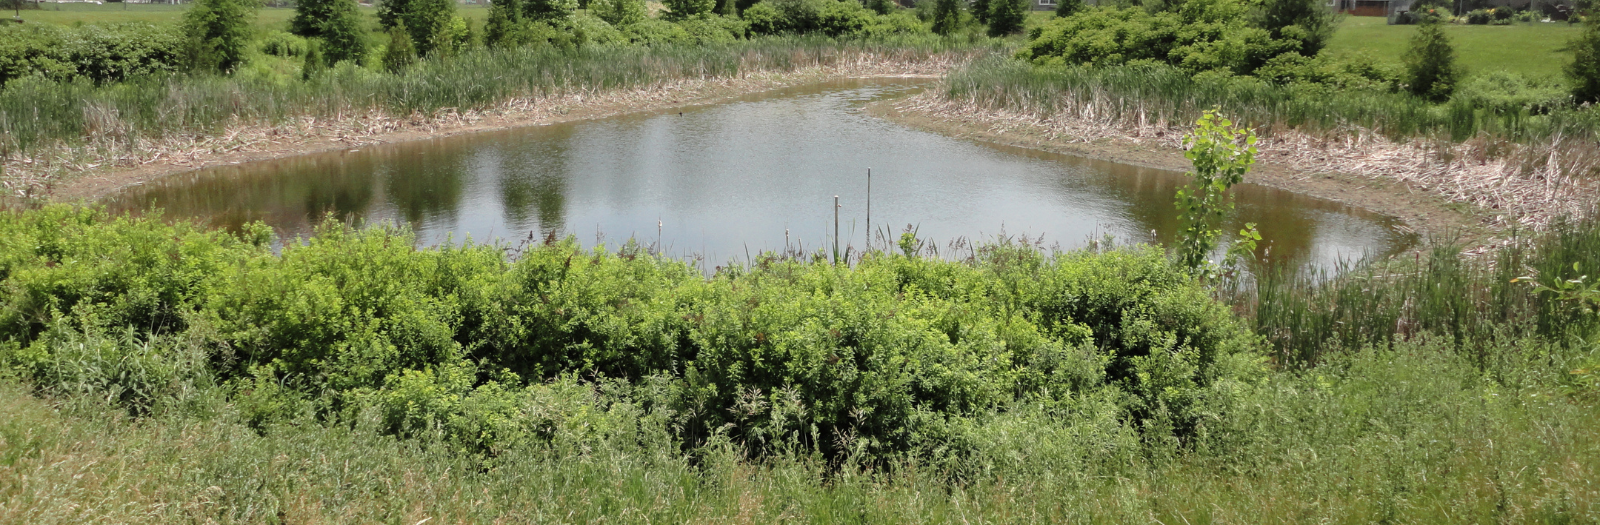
{"points": [[1532, 49]]}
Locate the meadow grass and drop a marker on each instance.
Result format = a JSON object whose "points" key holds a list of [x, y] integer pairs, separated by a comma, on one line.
{"points": [[1533, 49]]}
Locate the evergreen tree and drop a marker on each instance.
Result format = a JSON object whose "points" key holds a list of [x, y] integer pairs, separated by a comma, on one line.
{"points": [[1066, 8], [392, 13], [1584, 71], [946, 16], [309, 16], [882, 7], [1431, 70], [218, 32], [505, 16], [1007, 17], [313, 65], [426, 20], [554, 11], [344, 33], [401, 54], [980, 10], [622, 13]]}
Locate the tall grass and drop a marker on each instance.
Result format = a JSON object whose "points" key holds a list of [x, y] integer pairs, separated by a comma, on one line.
{"points": [[1148, 94], [1415, 434], [1478, 306], [37, 113]]}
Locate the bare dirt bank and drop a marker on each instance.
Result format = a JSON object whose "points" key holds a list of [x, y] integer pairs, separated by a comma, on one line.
{"points": [[1427, 209]]}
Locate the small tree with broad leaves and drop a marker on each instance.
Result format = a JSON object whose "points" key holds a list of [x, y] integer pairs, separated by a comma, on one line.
{"points": [[1222, 153]]}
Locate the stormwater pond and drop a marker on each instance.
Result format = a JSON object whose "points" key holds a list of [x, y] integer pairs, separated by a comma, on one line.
{"points": [[731, 180]]}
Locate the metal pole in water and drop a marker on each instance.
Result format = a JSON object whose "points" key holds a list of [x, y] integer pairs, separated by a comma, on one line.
{"points": [[835, 229], [869, 208]]}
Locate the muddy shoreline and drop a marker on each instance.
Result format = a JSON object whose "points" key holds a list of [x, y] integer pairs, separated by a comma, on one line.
{"points": [[90, 181], [1422, 211]]}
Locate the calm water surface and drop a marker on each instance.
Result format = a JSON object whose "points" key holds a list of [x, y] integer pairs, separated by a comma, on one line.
{"points": [[730, 179]]}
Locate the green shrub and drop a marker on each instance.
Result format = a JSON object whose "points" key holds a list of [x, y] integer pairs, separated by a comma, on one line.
{"points": [[1424, 15], [618, 13], [34, 49], [1505, 93], [1308, 22], [1584, 71], [1204, 35], [1480, 16], [686, 9], [900, 23], [1431, 70], [400, 54], [100, 53], [833, 18], [590, 29], [764, 19], [314, 63], [1344, 74], [279, 43], [714, 29], [899, 355], [657, 32]]}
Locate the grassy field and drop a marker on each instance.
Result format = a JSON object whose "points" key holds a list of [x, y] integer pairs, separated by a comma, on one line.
{"points": [[1532, 49]]}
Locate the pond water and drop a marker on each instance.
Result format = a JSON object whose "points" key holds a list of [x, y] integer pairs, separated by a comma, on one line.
{"points": [[742, 177]]}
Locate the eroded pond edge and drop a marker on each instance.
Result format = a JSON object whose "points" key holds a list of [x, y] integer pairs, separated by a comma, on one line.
{"points": [[1422, 211]]}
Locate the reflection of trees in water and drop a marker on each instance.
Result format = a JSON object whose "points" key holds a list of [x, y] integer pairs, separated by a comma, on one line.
{"points": [[533, 178], [1282, 217], [424, 180], [291, 194], [544, 194]]}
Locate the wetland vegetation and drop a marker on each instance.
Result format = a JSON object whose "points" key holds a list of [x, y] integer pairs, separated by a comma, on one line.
{"points": [[157, 370]]}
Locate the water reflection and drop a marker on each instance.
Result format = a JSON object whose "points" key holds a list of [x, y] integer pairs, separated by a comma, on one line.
{"points": [[741, 177]]}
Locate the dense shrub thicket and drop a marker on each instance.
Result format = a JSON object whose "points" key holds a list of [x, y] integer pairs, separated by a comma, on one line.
{"points": [[98, 53], [1196, 35], [900, 354]]}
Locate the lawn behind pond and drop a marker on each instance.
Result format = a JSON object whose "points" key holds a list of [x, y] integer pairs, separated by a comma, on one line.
{"points": [[1534, 49]]}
